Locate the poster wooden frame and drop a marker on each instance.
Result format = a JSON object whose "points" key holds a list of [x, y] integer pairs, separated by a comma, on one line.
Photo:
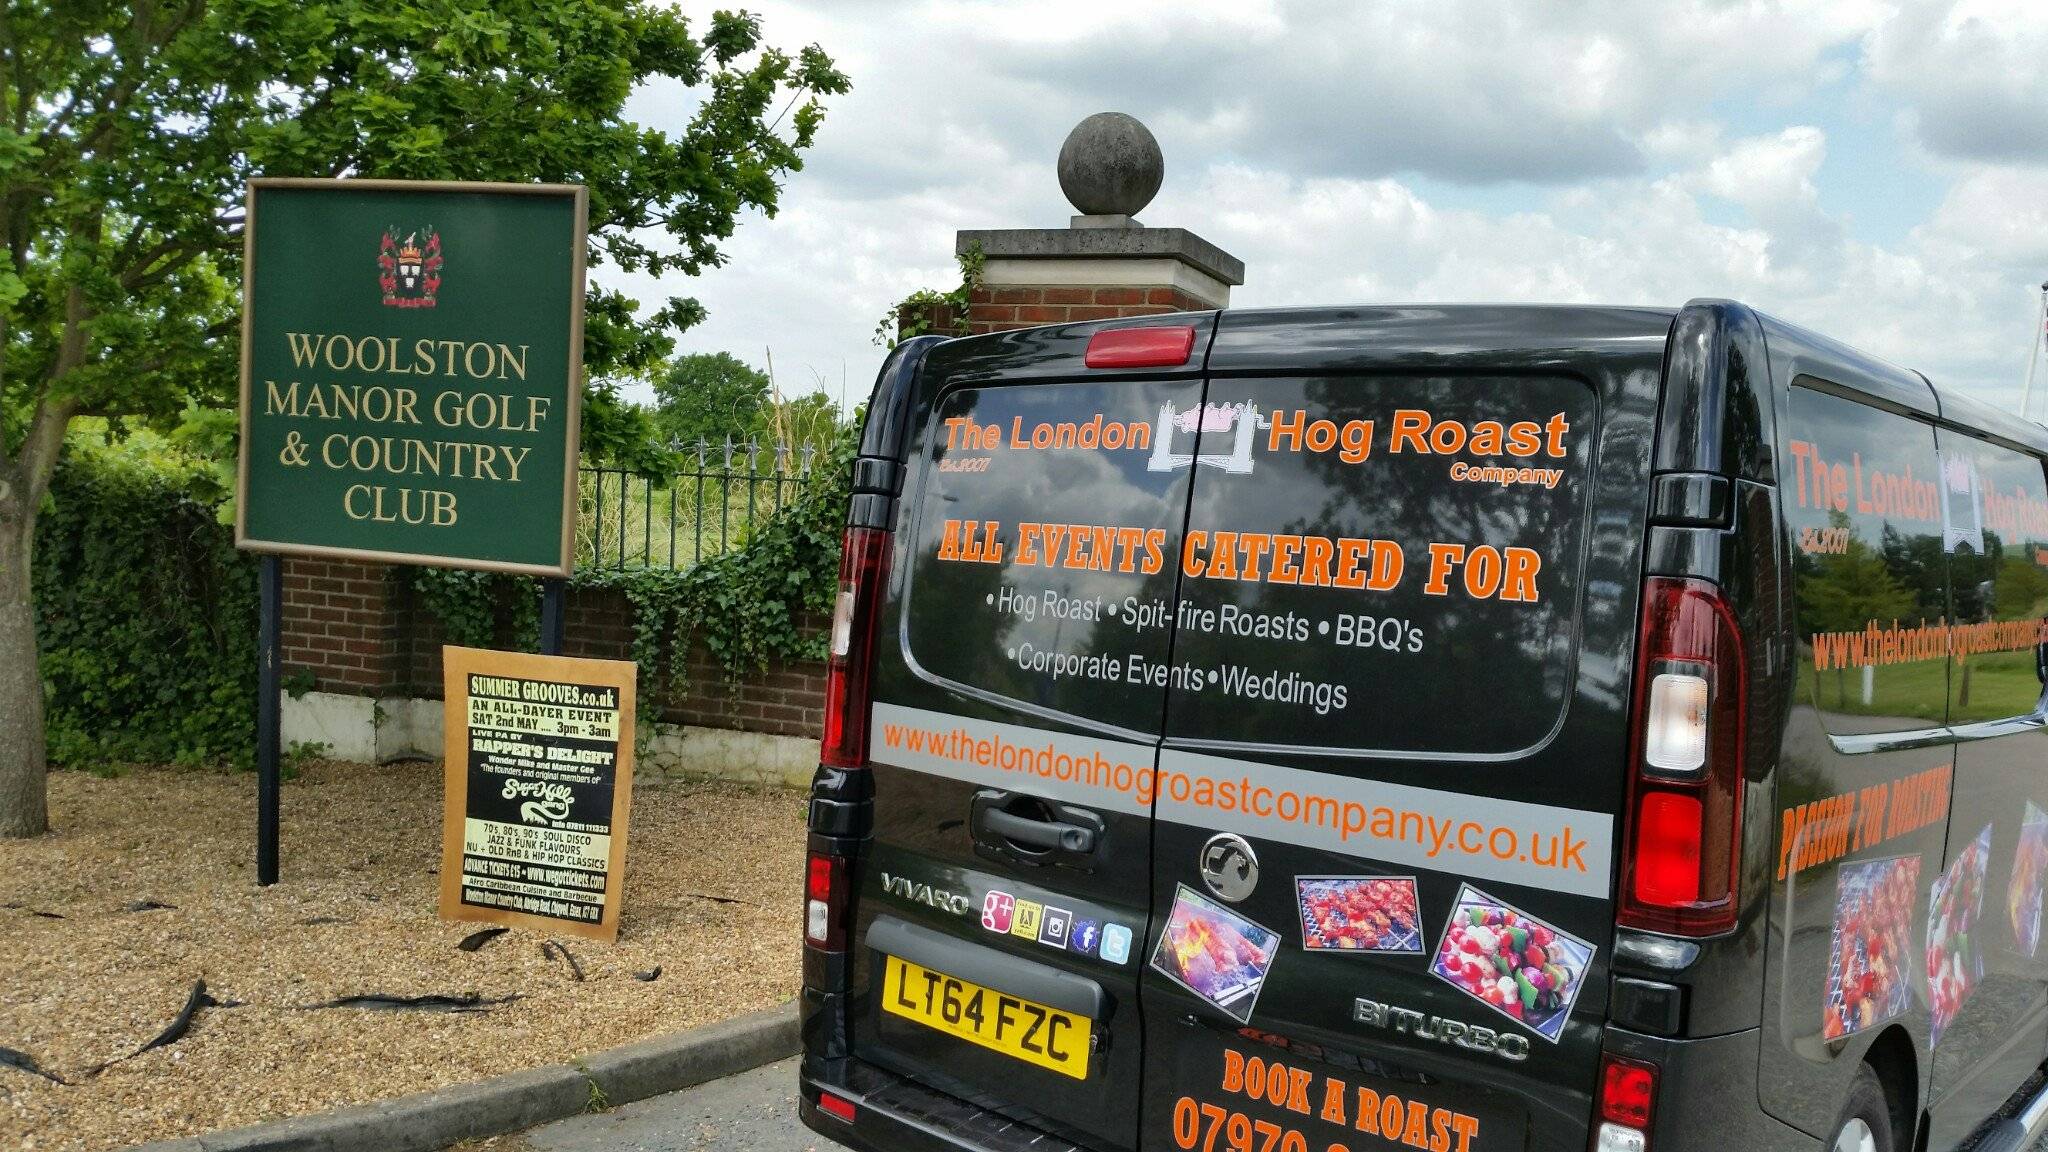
{"points": [[457, 665]]}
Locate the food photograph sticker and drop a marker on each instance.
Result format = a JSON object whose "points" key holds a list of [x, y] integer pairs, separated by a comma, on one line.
{"points": [[1870, 975], [2023, 894], [1955, 946], [1508, 960], [1215, 953], [1359, 914]]}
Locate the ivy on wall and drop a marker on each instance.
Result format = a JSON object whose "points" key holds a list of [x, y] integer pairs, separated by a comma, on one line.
{"points": [[928, 311], [745, 606], [145, 613]]}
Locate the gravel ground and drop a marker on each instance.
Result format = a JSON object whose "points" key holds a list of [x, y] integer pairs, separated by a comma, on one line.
{"points": [[712, 892]]}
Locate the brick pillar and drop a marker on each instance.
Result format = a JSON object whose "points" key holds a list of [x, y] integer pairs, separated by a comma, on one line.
{"points": [[342, 623], [1100, 268]]}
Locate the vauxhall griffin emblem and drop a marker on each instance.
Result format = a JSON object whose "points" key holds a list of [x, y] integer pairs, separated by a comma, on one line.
{"points": [[1229, 867], [409, 270]]}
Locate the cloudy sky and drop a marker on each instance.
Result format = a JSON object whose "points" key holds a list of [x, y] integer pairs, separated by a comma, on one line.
{"points": [[1878, 171]]}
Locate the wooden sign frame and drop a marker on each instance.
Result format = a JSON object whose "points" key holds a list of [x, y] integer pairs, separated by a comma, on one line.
{"points": [[458, 666], [473, 198]]}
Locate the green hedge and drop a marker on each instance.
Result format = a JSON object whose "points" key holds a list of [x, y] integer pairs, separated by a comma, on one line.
{"points": [[145, 613], [746, 606]]}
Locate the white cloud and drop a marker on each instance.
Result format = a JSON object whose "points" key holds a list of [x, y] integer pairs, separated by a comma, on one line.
{"points": [[1324, 143], [1973, 74]]}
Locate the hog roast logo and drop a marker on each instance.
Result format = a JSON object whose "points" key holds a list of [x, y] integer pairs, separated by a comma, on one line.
{"points": [[1234, 424], [409, 270], [549, 804], [1962, 505]]}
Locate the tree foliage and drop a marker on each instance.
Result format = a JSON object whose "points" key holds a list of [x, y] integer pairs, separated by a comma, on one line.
{"points": [[129, 130], [617, 433], [709, 396]]}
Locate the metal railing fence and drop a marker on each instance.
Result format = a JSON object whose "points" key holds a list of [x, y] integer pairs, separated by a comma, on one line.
{"points": [[713, 504]]}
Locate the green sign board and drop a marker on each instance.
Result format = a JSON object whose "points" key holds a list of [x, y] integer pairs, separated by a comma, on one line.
{"points": [[410, 358]]}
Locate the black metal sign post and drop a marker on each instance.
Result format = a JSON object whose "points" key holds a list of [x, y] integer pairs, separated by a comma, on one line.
{"points": [[518, 322], [269, 632], [554, 592]]}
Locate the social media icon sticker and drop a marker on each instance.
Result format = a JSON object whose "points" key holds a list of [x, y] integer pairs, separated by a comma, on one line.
{"points": [[996, 909], [1116, 943], [1085, 936], [1054, 929], [1025, 921]]}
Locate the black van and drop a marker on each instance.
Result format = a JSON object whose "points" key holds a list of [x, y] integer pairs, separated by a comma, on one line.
{"points": [[1457, 728]]}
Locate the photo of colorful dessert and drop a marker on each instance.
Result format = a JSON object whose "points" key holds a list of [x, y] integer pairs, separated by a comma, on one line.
{"points": [[1955, 946], [1869, 973], [1215, 953], [1358, 914], [1519, 966], [2023, 894]]}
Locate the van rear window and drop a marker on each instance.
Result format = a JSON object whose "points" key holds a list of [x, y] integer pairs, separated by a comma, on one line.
{"points": [[1384, 564], [1048, 521]]}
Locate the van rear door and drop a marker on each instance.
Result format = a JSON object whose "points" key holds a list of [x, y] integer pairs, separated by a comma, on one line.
{"points": [[1018, 697], [1396, 737]]}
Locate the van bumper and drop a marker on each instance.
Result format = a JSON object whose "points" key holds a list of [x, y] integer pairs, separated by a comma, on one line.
{"points": [[1707, 1094], [895, 1115], [1706, 1101]]}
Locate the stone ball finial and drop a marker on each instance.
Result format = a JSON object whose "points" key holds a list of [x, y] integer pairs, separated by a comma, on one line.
{"points": [[1110, 165]]}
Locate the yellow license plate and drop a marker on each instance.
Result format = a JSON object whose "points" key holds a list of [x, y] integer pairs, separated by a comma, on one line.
{"points": [[1031, 1032]]}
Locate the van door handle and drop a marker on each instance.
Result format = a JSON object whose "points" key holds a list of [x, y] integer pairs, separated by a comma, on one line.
{"points": [[1046, 834]]}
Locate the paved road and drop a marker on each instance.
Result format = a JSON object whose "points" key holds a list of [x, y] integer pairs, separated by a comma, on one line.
{"points": [[751, 1112]]}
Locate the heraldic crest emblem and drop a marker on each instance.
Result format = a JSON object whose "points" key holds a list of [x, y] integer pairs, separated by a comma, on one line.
{"points": [[409, 270]]}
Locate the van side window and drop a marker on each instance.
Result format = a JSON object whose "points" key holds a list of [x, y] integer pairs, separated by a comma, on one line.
{"points": [[1862, 497], [1997, 532]]}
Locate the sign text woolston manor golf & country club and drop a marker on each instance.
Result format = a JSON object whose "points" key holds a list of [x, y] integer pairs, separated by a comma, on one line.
{"points": [[410, 362]]}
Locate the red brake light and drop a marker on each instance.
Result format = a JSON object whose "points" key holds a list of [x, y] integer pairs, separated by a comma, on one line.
{"points": [[818, 877], [1628, 1091], [1667, 858], [1141, 347], [1684, 829], [825, 901], [863, 565]]}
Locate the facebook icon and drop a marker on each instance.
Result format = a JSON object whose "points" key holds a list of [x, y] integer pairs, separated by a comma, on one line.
{"points": [[1084, 935]]}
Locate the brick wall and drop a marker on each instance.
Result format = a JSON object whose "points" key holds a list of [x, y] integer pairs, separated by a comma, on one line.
{"points": [[1026, 306], [342, 621], [360, 631]]}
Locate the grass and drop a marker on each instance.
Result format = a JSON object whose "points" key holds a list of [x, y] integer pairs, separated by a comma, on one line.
{"points": [[628, 521], [1999, 685]]}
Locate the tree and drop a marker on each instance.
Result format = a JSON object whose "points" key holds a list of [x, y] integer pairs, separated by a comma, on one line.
{"points": [[809, 421], [709, 396], [128, 131], [618, 433]]}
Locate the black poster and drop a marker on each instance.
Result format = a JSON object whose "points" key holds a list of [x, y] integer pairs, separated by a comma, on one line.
{"points": [[542, 766]]}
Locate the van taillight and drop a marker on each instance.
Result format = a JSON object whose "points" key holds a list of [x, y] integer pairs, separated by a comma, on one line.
{"points": [[825, 893], [1628, 1098], [1679, 870], [863, 565]]}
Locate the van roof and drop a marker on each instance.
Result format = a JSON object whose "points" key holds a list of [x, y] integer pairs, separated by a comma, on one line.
{"points": [[1387, 335], [1384, 336]]}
